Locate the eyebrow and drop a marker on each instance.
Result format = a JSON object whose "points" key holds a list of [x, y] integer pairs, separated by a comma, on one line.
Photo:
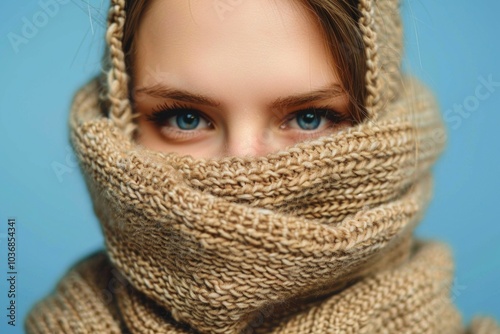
{"points": [[162, 91]]}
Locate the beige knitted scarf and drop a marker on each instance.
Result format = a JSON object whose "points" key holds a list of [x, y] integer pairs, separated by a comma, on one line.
{"points": [[315, 238]]}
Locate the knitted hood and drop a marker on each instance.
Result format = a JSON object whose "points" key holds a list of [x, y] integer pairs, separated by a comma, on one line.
{"points": [[315, 238]]}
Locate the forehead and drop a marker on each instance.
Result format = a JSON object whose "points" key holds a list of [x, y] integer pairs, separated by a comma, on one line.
{"points": [[207, 26], [218, 14], [278, 42]]}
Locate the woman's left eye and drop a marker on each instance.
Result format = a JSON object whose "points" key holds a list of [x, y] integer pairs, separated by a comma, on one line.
{"points": [[311, 118]]}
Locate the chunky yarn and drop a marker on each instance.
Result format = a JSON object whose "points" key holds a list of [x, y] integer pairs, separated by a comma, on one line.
{"points": [[315, 238]]}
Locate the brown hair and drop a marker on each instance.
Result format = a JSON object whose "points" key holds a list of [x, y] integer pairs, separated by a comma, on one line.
{"points": [[338, 20]]}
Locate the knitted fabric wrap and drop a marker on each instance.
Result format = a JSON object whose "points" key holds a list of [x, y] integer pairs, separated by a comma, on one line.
{"points": [[315, 238]]}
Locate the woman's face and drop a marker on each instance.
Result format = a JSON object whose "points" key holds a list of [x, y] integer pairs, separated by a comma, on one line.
{"points": [[233, 78]]}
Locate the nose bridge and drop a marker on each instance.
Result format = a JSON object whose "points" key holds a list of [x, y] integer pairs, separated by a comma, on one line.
{"points": [[248, 139]]}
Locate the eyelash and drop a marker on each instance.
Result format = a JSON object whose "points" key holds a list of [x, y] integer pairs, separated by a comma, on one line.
{"points": [[323, 111], [163, 112]]}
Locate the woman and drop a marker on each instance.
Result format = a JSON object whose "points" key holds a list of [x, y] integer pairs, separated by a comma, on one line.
{"points": [[249, 75], [235, 200]]}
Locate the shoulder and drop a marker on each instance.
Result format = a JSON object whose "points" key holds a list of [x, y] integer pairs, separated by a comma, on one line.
{"points": [[82, 301]]}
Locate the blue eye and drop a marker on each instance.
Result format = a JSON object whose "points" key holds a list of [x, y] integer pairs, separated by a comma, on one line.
{"points": [[178, 116], [311, 118], [187, 121], [308, 120]]}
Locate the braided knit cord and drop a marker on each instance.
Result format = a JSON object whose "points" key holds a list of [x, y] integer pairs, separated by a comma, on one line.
{"points": [[121, 112], [367, 27]]}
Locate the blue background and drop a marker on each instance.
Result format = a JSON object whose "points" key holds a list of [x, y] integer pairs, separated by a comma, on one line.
{"points": [[450, 46]]}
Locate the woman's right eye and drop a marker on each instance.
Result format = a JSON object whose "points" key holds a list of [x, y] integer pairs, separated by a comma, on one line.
{"points": [[178, 117]]}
